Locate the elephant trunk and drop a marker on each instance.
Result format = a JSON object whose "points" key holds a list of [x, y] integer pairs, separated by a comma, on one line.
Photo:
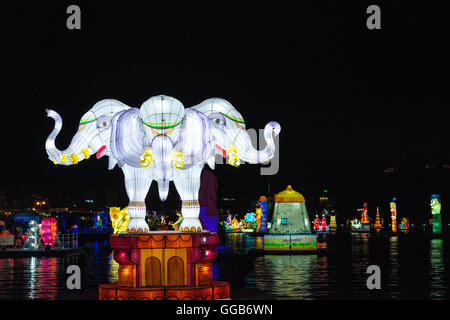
{"points": [[248, 153], [77, 150]]}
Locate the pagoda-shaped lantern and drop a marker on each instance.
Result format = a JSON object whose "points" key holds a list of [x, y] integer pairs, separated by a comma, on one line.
{"points": [[290, 227], [290, 215], [377, 226]]}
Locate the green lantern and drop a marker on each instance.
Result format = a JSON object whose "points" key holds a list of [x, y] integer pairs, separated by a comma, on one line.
{"points": [[435, 205]]}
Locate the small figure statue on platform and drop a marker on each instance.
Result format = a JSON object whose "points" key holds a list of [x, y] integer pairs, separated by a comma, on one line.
{"points": [[162, 226], [364, 215], [176, 224], [324, 226], [317, 223]]}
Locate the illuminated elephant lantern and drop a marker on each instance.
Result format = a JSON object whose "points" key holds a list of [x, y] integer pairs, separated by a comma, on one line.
{"points": [[161, 141]]}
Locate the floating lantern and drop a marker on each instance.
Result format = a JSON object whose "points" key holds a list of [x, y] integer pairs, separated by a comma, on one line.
{"points": [[33, 236], [377, 226], [48, 231], [435, 205], [290, 227], [365, 221], [317, 223], [333, 224], [404, 225], [355, 224], [364, 215], [394, 214], [263, 203]]}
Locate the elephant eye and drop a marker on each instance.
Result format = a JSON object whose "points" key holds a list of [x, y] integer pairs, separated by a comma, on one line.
{"points": [[217, 119], [103, 123]]}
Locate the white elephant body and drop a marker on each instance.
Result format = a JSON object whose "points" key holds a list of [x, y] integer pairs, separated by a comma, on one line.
{"points": [[164, 142]]}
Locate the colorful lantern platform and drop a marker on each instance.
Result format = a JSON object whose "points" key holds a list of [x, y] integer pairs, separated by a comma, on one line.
{"points": [[165, 265]]}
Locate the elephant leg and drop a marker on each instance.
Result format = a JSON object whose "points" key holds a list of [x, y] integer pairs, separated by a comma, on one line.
{"points": [[137, 184], [187, 183]]}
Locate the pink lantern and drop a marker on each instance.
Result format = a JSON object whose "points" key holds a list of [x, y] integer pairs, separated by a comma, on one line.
{"points": [[48, 231]]}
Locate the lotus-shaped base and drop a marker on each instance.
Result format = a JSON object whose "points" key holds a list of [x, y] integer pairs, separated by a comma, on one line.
{"points": [[137, 226], [191, 224]]}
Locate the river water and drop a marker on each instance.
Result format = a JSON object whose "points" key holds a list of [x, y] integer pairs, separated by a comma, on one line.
{"points": [[412, 267]]}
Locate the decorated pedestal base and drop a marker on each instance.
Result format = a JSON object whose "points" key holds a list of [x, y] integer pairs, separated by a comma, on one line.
{"points": [[165, 265], [290, 242]]}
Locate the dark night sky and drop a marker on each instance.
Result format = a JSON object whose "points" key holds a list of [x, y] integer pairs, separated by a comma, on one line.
{"points": [[350, 101]]}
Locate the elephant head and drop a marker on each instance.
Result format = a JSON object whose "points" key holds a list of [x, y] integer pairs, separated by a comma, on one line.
{"points": [[230, 136], [161, 118], [102, 131]]}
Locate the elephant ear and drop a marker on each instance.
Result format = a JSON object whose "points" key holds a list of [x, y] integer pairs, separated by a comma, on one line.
{"points": [[127, 137], [196, 137]]}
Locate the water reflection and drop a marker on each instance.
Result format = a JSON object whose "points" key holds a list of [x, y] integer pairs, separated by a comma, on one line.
{"points": [[45, 277], [359, 263], [438, 288], [114, 269], [324, 283], [394, 268], [240, 242], [259, 243], [412, 268], [32, 273], [289, 277], [35, 277]]}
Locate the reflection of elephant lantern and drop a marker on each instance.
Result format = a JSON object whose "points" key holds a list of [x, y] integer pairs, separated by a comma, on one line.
{"points": [[162, 141]]}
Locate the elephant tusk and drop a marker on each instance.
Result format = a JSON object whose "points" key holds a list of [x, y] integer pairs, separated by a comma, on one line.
{"points": [[146, 159], [63, 158], [178, 160], [86, 153], [74, 158]]}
